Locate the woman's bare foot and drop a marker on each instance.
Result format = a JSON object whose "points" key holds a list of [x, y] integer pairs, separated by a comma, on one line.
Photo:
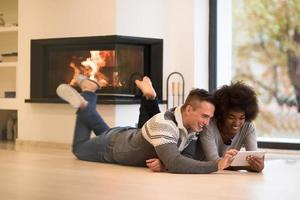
{"points": [[146, 87]]}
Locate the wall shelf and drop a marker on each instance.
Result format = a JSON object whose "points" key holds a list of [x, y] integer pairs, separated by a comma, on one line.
{"points": [[8, 103], [8, 29], [8, 64]]}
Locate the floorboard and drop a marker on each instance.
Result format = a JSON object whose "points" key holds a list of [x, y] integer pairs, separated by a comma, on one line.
{"points": [[48, 174]]}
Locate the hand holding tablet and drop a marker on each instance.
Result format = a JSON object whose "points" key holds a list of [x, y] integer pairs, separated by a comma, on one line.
{"points": [[240, 158]]}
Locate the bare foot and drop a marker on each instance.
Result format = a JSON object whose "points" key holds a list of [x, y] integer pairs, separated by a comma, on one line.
{"points": [[146, 87], [86, 84], [103, 83]]}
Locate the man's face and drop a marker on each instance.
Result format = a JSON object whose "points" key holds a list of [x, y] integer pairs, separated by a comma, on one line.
{"points": [[234, 121], [198, 117]]}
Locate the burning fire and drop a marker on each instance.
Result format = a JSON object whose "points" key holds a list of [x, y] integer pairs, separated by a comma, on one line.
{"points": [[93, 67]]}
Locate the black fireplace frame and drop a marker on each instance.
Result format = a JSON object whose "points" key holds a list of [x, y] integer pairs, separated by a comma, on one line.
{"points": [[39, 50]]}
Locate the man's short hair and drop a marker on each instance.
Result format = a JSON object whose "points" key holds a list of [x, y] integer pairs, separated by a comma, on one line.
{"points": [[198, 95]]}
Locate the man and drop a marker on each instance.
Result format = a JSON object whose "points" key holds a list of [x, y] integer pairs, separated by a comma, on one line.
{"points": [[164, 136]]}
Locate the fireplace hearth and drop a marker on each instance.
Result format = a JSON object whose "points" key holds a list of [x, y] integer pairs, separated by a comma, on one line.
{"points": [[113, 61]]}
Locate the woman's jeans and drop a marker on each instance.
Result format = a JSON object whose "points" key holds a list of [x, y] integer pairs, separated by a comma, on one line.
{"points": [[88, 119]]}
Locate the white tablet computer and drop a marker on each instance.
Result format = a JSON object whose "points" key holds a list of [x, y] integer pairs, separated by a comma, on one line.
{"points": [[240, 158]]}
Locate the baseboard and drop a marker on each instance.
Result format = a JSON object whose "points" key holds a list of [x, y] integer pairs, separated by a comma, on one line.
{"points": [[42, 144]]}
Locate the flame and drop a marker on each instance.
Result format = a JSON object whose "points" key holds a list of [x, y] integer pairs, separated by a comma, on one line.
{"points": [[91, 67]]}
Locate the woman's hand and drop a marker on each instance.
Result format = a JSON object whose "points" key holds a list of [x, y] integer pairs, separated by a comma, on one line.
{"points": [[256, 163], [155, 165]]}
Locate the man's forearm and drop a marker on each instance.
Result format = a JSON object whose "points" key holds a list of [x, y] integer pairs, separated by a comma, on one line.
{"points": [[177, 163]]}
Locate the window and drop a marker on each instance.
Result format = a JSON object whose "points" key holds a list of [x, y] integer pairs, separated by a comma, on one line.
{"points": [[257, 41]]}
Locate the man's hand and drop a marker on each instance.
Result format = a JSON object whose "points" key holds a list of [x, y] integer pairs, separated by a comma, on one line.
{"points": [[155, 165], [227, 159], [256, 163]]}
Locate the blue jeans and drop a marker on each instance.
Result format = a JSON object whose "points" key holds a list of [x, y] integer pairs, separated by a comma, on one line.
{"points": [[97, 148]]}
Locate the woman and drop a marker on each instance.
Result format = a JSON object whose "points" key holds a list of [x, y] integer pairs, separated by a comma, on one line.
{"points": [[232, 126]]}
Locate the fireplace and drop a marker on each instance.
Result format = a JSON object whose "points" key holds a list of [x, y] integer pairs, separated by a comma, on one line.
{"points": [[113, 61]]}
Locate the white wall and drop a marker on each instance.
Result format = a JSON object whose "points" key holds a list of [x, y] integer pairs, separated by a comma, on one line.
{"points": [[174, 21], [141, 18], [52, 19], [184, 27], [179, 40]]}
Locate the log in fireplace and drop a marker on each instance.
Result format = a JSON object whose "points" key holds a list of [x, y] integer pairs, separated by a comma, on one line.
{"points": [[114, 61]]}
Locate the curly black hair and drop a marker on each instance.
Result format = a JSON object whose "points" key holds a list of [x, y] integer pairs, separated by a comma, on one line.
{"points": [[235, 97]]}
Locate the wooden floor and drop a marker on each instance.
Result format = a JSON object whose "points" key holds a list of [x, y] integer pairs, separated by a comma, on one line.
{"points": [[49, 174]]}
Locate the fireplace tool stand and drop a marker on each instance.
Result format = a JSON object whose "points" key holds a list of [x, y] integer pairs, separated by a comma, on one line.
{"points": [[175, 83]]}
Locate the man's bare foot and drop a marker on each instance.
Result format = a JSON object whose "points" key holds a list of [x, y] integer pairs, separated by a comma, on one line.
{"points": [[146, 87]]}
